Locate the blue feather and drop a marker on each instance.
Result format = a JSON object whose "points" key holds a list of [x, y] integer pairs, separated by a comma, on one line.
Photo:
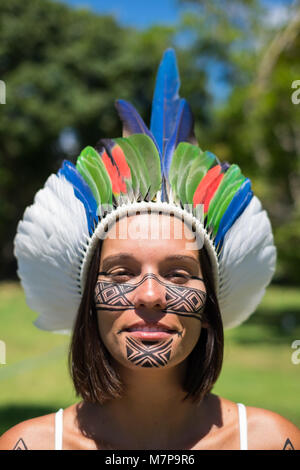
{"points": [[81, 190], [182, 131], [225, 166], [237, 205], [132, 121], [166, 100]]}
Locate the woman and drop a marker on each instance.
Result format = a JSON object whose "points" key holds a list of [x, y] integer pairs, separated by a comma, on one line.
{"points": [[155, 282]]}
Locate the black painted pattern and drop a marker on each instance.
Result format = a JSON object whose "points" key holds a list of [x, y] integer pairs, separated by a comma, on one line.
{"points": [[180, 300], [154, 355]]}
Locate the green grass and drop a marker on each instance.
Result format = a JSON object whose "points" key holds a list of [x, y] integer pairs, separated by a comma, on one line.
{"points": [[257, 368]]}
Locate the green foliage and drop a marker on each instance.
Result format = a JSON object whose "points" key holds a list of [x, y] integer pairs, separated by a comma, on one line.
{"points": [[257, 125], [63, 68], [287, 239]]}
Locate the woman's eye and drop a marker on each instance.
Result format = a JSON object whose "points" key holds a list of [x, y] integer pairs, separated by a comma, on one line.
{"points": [[179, 277], [120, 275]]}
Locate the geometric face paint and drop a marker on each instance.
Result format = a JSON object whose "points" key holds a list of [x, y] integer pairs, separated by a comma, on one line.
{"points": [[180, 300], [154, 355]]}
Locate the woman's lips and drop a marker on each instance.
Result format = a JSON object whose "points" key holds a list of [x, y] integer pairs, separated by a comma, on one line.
{"points": [[150, 334]]}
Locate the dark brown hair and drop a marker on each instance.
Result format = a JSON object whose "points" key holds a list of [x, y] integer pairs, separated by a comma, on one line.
{"points": [[206, 359], [94, 377]]}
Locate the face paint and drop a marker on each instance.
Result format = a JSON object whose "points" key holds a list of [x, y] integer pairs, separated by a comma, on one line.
{"points": [[154, 355], [180, 300]]}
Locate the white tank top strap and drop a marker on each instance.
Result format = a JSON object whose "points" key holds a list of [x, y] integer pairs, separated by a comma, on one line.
{"points": [[59, 429], [243, 426]]}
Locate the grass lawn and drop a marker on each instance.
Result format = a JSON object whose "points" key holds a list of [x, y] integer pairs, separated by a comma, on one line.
{"points": [[257, 369]]}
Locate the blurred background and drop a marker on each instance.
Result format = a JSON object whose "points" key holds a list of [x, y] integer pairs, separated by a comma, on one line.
{"points": [[64, 63]]}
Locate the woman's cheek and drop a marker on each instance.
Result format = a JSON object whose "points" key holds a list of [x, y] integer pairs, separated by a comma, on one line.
{"points": [[106, 327], [186, 343]]}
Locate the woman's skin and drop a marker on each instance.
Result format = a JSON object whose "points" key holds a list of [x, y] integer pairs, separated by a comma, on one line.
{"points": [[151, 413], [152, 393]]}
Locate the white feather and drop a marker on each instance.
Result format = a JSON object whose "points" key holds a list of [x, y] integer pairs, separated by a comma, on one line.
{"points": [[52, 243], [48, 247], [246, 264]]}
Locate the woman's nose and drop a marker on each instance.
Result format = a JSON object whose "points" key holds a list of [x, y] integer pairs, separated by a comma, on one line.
{"points": [[150, 294]]}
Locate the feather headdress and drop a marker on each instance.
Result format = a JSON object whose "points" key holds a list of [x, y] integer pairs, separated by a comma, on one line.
{"points": [[161, 168]]}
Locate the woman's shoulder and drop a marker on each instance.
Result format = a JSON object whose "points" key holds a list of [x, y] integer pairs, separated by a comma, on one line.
{"points": [[263, 428], [31, 434], [270, 430], [266, 429]]}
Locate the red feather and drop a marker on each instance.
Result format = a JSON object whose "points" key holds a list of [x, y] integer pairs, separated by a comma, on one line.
{"points": [[202, 188], [116, 165], [211, 191]]}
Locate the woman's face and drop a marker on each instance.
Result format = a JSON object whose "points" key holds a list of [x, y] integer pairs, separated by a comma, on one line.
{"points": [[148, 295]]}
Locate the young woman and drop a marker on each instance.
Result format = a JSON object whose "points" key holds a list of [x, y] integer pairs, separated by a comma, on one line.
{"points": [[146, 289]]}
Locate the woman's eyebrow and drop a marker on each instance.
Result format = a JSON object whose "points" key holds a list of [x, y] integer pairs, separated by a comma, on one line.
{"points": [[121, 257], [125, 257], [182, 258]]}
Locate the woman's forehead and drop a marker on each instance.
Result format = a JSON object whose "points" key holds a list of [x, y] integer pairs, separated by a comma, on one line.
{"points": [[150, 236], [151, 227]]}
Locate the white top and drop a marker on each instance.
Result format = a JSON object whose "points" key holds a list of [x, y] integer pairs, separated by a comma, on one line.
{"points": [[58, 429], [242, 426]]}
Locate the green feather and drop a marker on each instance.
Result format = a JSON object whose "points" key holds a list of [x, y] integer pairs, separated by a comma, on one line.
{"points": [[231, 176], [97, 177], [182, 160], [178, 155], [150, 156], [104, 184], [83, 170], [136, 165], [224, 203], [143, 177], [198, 170]]}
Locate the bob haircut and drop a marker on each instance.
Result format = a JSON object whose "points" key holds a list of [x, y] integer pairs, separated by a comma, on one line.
{"points": [[90, 366]]}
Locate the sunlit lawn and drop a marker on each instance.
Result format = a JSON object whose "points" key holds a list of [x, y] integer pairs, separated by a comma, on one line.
{"points": [[257, 369]]}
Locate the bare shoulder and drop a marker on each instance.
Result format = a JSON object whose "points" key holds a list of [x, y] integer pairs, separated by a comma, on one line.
{"points": [[269, 430], [32, 434], [266, 429]]}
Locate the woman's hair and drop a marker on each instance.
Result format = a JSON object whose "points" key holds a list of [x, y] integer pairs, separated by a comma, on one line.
{"points": [[94, 377]]}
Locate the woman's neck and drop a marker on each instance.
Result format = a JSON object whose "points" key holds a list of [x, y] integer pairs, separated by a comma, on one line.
{"points": [[154, 391], [151, 413]]}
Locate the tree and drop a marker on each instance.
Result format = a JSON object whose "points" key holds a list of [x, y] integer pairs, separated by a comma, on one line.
{"points": [[63, 68], [257, 124]]}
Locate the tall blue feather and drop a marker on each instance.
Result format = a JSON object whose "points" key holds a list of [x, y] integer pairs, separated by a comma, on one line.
{"points": [[237, 205], [182, 131], [82, 191], [132, 121], [166, 100]]}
